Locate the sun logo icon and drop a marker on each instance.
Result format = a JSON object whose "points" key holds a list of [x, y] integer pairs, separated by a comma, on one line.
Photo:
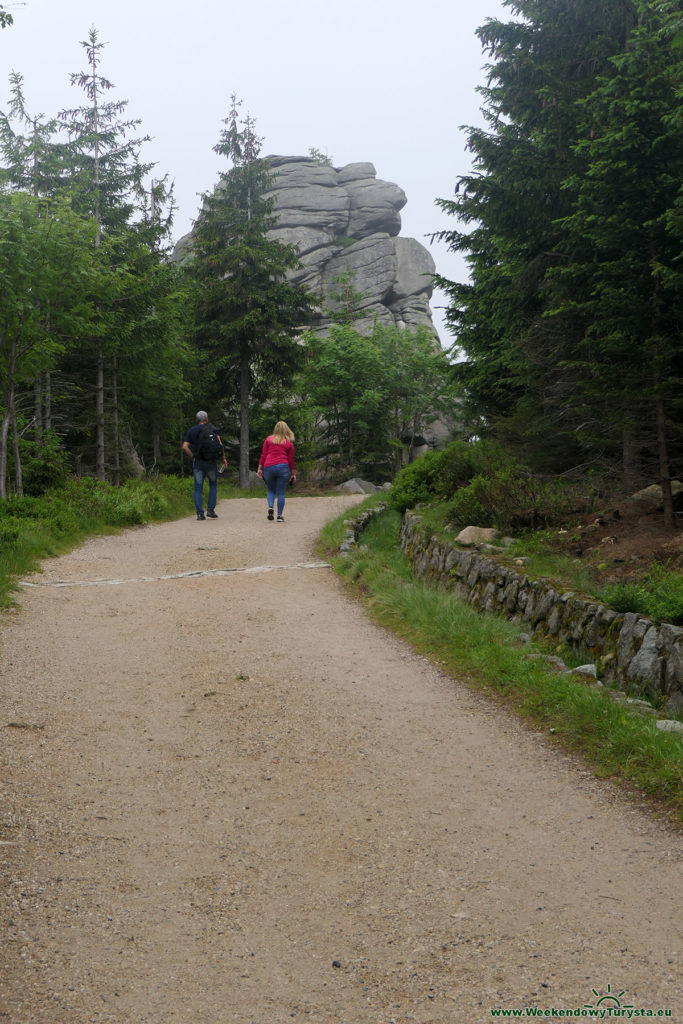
{"points": [[610, 998]]}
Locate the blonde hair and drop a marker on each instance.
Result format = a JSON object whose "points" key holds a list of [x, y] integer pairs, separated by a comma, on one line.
{"points": [[281, 433]]}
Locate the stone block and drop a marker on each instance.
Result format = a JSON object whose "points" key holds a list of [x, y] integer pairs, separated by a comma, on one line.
{"points": [[476, 535], [555, 620], [669, 725]]}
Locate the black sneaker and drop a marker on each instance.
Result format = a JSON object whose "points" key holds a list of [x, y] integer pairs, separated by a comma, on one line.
{"points": [[270, 513], [200, 515], [211, 514], [280, 519]]}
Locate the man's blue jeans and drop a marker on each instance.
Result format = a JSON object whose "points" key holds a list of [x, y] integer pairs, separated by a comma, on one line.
{"points": [[201, 471], [276, 478]]}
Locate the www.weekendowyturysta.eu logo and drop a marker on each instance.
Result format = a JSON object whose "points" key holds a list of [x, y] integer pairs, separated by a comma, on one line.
{"points": [[607, 1005]]}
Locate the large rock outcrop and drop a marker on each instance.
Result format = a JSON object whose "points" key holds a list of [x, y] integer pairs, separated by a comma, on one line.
{"points": [[346, 219]]}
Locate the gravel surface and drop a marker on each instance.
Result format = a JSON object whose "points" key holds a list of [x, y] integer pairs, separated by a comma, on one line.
{"points": [[229, 797]]}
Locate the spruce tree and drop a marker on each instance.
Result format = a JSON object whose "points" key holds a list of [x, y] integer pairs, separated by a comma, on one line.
{"points": [[621, 280], [108, 184], [511, 206], [46, 262], [247, 314], [32, 158], [33, 162]]}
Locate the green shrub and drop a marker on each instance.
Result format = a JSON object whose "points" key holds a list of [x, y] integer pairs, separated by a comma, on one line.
{"points": [[434, 475], [659, 595], [20, 508], [44, 464], [466, 509], [58, 515], [511, 498], [625, 597], [9, 532], [33, 527]]}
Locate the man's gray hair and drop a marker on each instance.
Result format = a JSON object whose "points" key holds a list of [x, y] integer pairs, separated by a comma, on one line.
{"points": [[201, 416]]}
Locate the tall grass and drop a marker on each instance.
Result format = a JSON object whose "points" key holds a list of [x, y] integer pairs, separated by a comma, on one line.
{"points": [[488, 653], [32, 529], [659, 595]]}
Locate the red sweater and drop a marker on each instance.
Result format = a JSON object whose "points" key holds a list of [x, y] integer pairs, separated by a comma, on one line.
{"points": [[273, 454]]}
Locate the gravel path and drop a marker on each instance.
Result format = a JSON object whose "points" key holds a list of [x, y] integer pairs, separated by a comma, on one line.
{"points": [[229, 797]]}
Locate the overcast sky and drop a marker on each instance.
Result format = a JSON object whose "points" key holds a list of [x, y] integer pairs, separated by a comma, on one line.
{"points": [[383, 81]]}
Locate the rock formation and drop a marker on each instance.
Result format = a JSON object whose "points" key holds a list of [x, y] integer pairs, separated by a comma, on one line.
{"points": [[345, 219]]}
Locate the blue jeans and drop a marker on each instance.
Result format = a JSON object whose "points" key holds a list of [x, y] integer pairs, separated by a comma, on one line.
{"points": [[201, 470], [276, 478]]}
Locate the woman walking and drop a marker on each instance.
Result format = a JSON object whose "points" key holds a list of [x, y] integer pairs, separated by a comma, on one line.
{"points": [[276, 466]]}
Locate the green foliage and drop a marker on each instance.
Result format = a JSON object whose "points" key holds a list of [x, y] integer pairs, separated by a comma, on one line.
{"points": [[570, 223], [32, 162], [9, 532], [420, 481], [438, 475], [320, 157], [44, 463], [480, 484], [247, 315], [107, 175], [82, 240], [621, 282], [659, 595], [50, 279], [509, 496], [347, 299], [372, 394], [466, 507], [32, 528]]}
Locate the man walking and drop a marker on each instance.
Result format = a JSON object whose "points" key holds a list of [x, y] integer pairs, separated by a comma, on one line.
{"points": [[203, 445]]}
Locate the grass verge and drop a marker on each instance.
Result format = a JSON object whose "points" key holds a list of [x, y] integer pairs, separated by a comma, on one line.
{"points": [[489, 654], [32, 529]]}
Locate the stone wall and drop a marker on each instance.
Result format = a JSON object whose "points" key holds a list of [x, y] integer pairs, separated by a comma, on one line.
{"points": [[353, 528], [628, 650]]}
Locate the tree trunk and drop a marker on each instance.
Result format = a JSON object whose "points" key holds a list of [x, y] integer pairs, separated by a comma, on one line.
{"points": [[4, 431], [38, 406], [156, 442], [116, 439], [18, 475], [664, 470], [630, 461], [244, 417], [99, 420], [350, 431], [47, 421]]}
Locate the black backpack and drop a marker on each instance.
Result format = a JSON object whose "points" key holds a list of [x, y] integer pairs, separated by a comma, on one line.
{"points": [[208, 447]]}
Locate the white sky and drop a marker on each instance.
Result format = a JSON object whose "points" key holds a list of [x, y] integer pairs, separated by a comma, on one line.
{"points": [[384, 81]]}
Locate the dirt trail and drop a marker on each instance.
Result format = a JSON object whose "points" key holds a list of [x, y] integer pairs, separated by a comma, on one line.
{"points": [[231, 798]]}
